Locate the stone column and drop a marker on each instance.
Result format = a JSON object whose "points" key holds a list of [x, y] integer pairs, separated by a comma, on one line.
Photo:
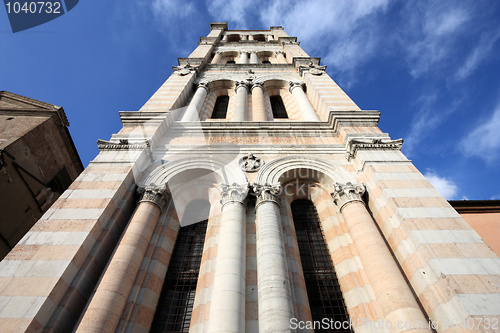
{"points": [[258, 103], [281, 58], [306, 109], [192, 112], [106, 306], [254, 59], [270, 38], [227, 309], [224, 38], [275, 298], [391, 290], [243, 57], [217, 57], [250, 37], [240, 108]]}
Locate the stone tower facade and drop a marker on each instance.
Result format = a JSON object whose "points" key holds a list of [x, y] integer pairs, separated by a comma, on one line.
{"points": [[250, 194]]}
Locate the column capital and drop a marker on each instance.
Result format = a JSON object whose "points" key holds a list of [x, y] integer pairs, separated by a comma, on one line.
{"points": [[346, 193], [154, 194], [233, 193], [243, 51], [267, 192], [257, 84], [203, 85], [240, 84], [276, 53], [219, 52], [295, 84]]}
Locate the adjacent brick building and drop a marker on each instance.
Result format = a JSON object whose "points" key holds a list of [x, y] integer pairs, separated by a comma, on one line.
{"points": [[38, 161]]}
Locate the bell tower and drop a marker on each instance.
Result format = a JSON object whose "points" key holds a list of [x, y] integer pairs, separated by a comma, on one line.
{"points": [[250, 194]]}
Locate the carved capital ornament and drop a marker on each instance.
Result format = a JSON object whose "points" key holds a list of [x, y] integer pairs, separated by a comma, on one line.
{"points": [[233, 193], [154, 194], [346, 193], [267, 193]]}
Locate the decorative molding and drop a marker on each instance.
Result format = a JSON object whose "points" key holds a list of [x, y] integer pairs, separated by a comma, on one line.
{"points": [[204, 85], [250, 163], [233, 193], [267, 193], [257, 84], [184, 70], [154, 194], [312, 68], [123, 144], [355, 144], [348, 192]]}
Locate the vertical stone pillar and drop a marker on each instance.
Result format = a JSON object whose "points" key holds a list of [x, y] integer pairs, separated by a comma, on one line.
{"points": [[391, 290], [227, 310], [217, 57], [250, 37], [306, 109], [106, 306], [275, 298], [240, 108], [258, 103], [243, 57], [193, 110], [281, 58], [224, 38], [270, 38], [254, 59]]}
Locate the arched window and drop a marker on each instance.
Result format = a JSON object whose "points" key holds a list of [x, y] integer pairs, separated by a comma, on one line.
{"points": [[323, 290], [266, 62], [173, 313], [230, 62], [220, 107], [278, 107], [233, 38]]}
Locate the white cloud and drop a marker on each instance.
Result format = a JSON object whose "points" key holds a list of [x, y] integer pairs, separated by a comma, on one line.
{"points": [[430, 33], [234, 12], [477, 55], [484, 140], [446, 187]]}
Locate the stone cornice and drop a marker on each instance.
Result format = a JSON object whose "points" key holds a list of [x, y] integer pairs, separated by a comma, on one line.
{"points": [[124, 144], [355, 118], [346, 193], [355, 144]]}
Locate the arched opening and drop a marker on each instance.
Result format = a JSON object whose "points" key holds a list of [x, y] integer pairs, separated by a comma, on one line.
{"points": [[278, 107], [323, 289], [259, 37], [220, 107], [175, 306], [233, 38]]}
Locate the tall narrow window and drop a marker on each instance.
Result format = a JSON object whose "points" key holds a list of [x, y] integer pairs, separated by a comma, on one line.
{"points": [[323, 290], [220, 107], [278, 107], [173, 313]]}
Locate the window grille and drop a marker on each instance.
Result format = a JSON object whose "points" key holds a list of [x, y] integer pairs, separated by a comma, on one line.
{"points": [[278, 107], [323, 290], [220, 107], [173, 313]]}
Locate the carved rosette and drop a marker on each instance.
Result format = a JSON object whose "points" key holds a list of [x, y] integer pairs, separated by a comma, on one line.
{"points": [[233, 193], [154, 194], [294, 85], [267, 192], [250, 163], [345, 193]]}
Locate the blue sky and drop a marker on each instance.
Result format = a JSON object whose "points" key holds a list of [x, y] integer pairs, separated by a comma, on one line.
{"points": [[431, 67]]}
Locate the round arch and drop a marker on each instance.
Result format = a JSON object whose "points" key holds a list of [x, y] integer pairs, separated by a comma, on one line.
{"points": [[288, 168]]}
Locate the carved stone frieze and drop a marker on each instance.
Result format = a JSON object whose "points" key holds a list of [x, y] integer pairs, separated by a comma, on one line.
{"points": [[233, 193], [154, 194], [267, 192], [355, 144], [184, 70], [250, 163], [124, 144], [348, 192]]}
